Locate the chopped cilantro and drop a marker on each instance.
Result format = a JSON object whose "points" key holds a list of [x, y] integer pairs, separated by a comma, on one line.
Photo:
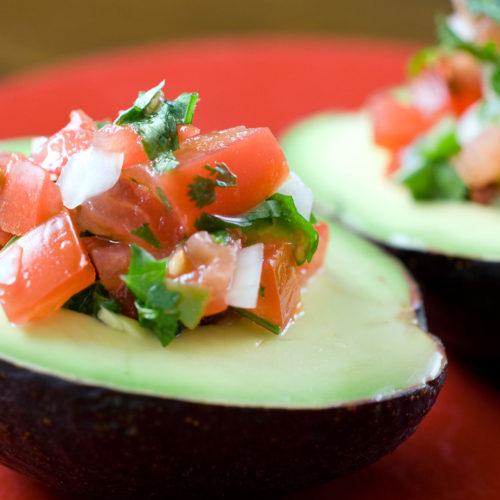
{"points": [[202, 189], [144, 232], [155, 119], [163, 198], [14, 238], [220, 237], [426, 169], [490, 8], [91, 299], [264, 323], [262, 291], [276, 217]]}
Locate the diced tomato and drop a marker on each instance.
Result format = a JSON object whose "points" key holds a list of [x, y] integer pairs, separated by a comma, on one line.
{"points": [[394, 164], [126, 207], [28, 197], [396, 124], [280, 292], [186, 132], [42, 270], [5, 238], [118, 139], [207, 264], [308, 269], [76, 136], [253, 155]]}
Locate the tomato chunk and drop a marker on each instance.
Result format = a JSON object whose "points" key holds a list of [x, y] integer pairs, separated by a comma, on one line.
{"points": [[76, 136], [28, 197], [125, 208], [280, 292], [42, 270], [186, 131], [118, 139], [253, 155]]}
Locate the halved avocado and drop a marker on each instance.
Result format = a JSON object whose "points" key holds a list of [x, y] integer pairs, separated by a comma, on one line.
{"points": [[452, 248], [226, 409]]}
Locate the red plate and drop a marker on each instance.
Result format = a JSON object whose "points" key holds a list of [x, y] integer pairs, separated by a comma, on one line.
{"points": [[455, 453]]}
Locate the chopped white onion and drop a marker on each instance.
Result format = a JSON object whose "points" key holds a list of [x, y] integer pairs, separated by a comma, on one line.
{"points": [[87, 174], [462, 27], [11, 263], [244, 290], [469, 126], [302, 196], [37, 143]]}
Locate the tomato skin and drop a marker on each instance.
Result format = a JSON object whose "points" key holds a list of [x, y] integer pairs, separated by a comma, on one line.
{"points": [[126, 207], [395, 124], [209, 265], [253, 155], [5, 238], [309, 269], [48, 266], [76, 136], [121, 139], [28, 197], [186, 131], [280, 297]]}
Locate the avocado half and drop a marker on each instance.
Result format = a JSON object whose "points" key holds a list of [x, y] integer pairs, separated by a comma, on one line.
{"points": [[226, 409], [451, 248]]}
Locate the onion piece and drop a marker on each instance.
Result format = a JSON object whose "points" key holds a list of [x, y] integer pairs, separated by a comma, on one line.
{"points": [[462, 27], [244, 290], [302, 196], [469, 125], [87, 174]]}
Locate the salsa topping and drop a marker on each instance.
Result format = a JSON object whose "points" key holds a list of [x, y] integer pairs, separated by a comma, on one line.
{"points": [[149, 218]]}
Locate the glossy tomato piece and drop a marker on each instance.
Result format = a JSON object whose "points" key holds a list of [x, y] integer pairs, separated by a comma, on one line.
{"points": [[41, 270], [126, 208], [253, 155], [118, 139], [28, 197], [5, 238], [207, 264], [308, 269], [396, 124], [186, 131], [279, 296], [76, 136]]}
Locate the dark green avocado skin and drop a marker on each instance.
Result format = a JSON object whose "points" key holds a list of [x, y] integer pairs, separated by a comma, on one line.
{"points": [[462, 303], [96, 442]]}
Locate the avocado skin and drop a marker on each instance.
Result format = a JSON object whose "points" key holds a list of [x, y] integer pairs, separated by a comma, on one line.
{"points": [[97, 442], [461, 301]]}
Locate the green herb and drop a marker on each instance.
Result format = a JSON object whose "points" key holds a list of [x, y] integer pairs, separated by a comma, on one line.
{"points": [[155, 119], [262, 291], [91, 299], [156, 306], [202, 189], [450, 41], [220, 237], [275, 217], [101, 124], [14, 238], [426, 169], [423, 59], [272, 327], [163, 198], [144, 232], [490, 8]]}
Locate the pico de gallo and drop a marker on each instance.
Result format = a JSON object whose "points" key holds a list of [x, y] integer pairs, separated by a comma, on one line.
{"points": [[443, 128], [149, 218]]}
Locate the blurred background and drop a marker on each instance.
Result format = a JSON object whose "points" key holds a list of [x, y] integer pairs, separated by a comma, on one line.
{"points": [[34, 33]]}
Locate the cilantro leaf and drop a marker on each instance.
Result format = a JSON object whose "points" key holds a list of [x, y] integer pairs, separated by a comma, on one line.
{"points": [[275, 217], [91, 299], [202, 189], [426, 169], [144, 232], [490, 8], [264, 323], [164, 199], [450, 41], [155, 119]]}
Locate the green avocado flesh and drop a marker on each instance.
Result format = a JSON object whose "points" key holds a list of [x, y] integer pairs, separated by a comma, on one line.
{"points": [[335, 156], [356, 339]]}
